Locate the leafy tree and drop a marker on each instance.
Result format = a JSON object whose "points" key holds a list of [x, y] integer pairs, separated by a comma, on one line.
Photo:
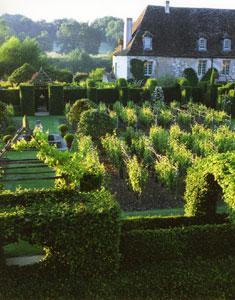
{"points": [[14, 53], [97, 74], [22, 74], [4, 31]]}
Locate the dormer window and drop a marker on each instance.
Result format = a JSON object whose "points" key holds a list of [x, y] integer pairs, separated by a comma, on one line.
{"points": [[227, 45], [202, 44], [148, 41]]}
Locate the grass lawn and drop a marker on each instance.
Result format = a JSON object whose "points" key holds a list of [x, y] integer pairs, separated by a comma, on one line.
{"points": [[29, 184], [22, 248], [50, 123]]}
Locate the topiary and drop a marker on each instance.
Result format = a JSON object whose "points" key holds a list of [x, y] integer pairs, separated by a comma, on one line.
{"points": [[22, 74], [95, 123], [63, 128], [191, 76], [207, 76], [77, 109], [80, 76], [69, 137]]}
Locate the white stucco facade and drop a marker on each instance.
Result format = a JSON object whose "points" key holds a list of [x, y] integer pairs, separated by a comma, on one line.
{"points": [[171, 66]]}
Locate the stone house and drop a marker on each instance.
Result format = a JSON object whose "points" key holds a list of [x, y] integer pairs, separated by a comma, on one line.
{"points": [[171, 39]]}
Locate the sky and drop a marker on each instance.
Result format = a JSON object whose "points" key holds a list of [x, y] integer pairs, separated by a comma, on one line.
{"points": [[88, 10]]}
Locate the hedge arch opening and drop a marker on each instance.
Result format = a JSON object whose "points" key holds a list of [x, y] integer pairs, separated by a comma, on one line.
{"points": [[210, 182]]}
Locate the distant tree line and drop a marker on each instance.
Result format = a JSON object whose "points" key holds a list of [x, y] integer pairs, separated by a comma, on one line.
{"points": [[64, 35]]}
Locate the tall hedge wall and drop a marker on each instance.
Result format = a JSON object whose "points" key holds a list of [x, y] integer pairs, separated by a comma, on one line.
{"points": [[56, 100], [144, 247], [73, 94], [108, 96], [80, 230], [27, 100], [10, 96]]}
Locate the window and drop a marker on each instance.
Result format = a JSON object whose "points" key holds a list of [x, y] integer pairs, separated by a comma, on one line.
{"points": [[202, 44], [226, 67], [202, 67], [227, 45], [148, 68], [148, 44]]}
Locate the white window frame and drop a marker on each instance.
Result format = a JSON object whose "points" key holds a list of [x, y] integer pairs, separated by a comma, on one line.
{"points": [[227, 45], [148, 68], [202, 44], [202, 67], [148, 43], [226, 67]]}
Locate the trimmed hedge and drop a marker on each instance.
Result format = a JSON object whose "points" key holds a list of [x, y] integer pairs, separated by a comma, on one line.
{"points": [[108, 96], [10, 96], [73, 94], [56, 100], [143, 247], [27, 100], [171, 94], [80, 230], [140, 223], [135, 95]]}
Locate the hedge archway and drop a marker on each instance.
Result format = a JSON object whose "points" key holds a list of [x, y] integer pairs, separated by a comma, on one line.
{"points": [[205, 180]]}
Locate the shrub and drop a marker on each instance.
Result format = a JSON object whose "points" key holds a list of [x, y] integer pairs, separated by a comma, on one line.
{"points": [[97, 74], [80, 77], [77, 109], [207, 76], [144, 247], [27, 99], [62, 75], [69, 137], [22, 74], [7, 138], [171, 94], [167, 81], [191, 76], [56, 100], [90, 83], [151, 84], [95, 123], [63, 128], [10, 96]]}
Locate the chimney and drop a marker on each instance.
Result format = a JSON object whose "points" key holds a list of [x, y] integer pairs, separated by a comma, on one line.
{"points": [[167, 7], [127, 32]]}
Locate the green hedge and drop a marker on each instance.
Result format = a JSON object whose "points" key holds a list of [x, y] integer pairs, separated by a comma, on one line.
{"points": [[143, 247], [140, 223], [135, 95], [56, 100], [80, 230], [108, 96], [10, 96], [73, 94], [171, 94], [27, 100], [92, 94]]}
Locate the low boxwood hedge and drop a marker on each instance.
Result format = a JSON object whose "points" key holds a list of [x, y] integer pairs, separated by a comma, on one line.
{"points": [[142, 247], [140, 223]]}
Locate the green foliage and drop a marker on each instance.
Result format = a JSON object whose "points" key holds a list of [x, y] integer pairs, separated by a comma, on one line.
{"points": [[137, 174], [206, 181], [137, 69], [191, 76], [62, 75], [95, 123], [69, 219], [154, 223], [144, 247], [165, 118], [166, 172], [56, 100], [159, 138], [97, 74], [211, 71], [151, 84], [80, 77], [22, 74], [10, 96], [27, 100], [7, 138], [63, 128], [146, 116], [77, 109], [121, 83], [167, 81]]}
